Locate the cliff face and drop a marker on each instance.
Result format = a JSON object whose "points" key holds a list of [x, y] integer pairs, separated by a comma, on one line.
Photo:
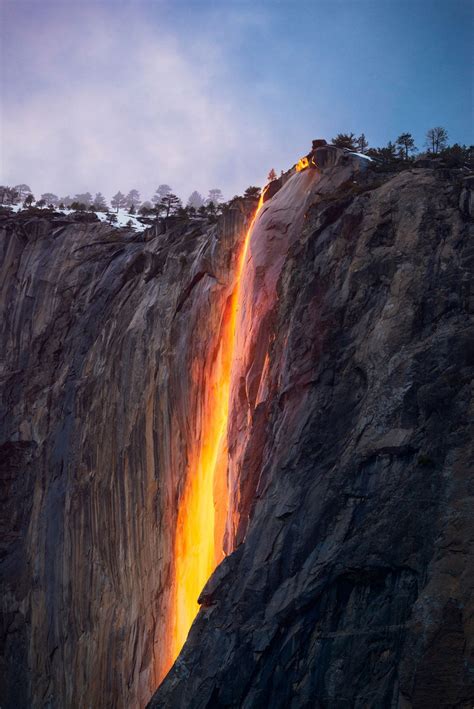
{"points": [[350, 451], [353, 584], [107, 340]]}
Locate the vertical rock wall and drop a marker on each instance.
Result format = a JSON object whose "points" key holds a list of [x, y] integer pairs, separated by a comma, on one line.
{"points": [[106, 343], [353, 582]]}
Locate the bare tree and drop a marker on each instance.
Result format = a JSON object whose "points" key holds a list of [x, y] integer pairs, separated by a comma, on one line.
{"points": [[436, 139], [50, 198], [23, 191]]}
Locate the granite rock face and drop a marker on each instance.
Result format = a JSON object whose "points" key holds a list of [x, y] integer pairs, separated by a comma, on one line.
{"points": [[106, 342], [350, 583]]}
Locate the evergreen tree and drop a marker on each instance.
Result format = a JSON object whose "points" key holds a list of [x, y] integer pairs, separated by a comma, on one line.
{"points": [[345, 140], [389, 153], [161, 192], [118, 201], [215, 196], [133, 199], [29, 199], [100, 205], [170, 203], [271, 175], [78, 206], [406, 145], [252, 193], [362, 144], [145, 209], [195, 200], [84, 198]]}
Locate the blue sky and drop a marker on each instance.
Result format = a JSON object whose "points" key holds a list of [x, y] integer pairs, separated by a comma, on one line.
{"points": [[113, 94]]}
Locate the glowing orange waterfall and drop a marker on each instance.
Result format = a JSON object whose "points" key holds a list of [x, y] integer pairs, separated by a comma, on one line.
{"points": [[202, 513]]}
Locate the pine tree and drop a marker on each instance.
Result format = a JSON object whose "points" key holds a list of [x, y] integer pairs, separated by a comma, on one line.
{"points": [[100, 204], [84, 198], [133, 199], [345, 140], [406, 145], [170, 204], [118, 201], [195, 200], [161, 192], [271, 175], [252, 193], [215, 195], [362, 143]]}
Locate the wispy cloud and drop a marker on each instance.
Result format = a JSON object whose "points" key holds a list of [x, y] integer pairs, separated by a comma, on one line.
{"points": [[104, 102]]}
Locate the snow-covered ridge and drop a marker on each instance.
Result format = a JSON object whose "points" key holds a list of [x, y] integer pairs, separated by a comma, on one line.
{"points": [[123, 217]]}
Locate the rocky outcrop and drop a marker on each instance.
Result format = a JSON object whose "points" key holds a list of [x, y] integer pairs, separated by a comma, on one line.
{"points": [[352, 585], [350, 448]]}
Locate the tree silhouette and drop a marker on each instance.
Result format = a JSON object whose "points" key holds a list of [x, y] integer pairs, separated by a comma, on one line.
{"points": [[50, 198], [84, 198], [161, 192], [118, 200], [389, 153], [436, 139], [195, 200], [271, 175], [362, 143], [345, 140], [406, 144], [133, 199], [29, 199], [252, 193], [170, 203], [23, 191], [8, 195], [215, 195], [100, 204]]}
